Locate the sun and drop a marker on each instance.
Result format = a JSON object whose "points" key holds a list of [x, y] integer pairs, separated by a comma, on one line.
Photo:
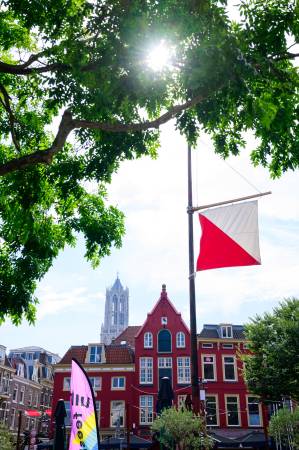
{"points": [[159, 57]]}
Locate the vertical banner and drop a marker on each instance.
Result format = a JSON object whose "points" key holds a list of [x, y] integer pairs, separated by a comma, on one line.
{"points": [[84, 432]]}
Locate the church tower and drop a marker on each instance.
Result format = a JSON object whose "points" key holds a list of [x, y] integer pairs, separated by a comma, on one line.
{"points": [[116, 312]]}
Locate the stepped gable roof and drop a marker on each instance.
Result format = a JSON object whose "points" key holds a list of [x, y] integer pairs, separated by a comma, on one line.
{"points": [[119, 354], [128, 335], [75, 351], [163, 299], [211, 331]]}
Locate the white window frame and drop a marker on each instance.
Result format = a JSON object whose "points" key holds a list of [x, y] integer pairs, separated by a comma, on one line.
{"points": [[148, 340], [217, 410], [259, 408], [234, 364], [203, 356], [164, 362], [30, 398], [67, 383], [15, 393], [146, 372], [97, 353], [22, 395], [183, 370], [121, 409], [96, 383], [226, 331], [98, 409], [238, 410], [180, 339], [117, 379], [227, 346], [207, 345], [12, 418], [146, 409]]}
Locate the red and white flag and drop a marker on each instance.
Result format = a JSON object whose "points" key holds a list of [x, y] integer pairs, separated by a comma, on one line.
{"points": [[229, 236]]}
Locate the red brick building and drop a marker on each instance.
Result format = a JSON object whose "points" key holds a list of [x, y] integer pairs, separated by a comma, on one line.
{"points": [[126, 376]]}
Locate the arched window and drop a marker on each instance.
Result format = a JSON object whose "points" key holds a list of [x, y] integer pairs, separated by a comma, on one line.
{"points": [[164, 341], [180, 340], [148, 340]]}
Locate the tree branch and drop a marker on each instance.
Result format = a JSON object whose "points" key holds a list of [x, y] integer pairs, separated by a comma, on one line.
{"points": [[22, 69], [287, 55], [6, 104], [68, 124]]}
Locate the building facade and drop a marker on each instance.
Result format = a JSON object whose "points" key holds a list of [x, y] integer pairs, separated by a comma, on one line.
{"points": [[127, 375], [26, 382], [116, 312]]}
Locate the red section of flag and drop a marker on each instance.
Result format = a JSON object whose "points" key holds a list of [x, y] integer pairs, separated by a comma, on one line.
{"points": [[217, 249]]}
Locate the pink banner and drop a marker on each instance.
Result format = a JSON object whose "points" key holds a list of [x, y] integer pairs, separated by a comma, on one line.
{"points": [[84, 433]]}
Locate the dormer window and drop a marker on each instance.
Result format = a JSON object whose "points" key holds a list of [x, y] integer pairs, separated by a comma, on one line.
{"points": [[226, 331], [95, 354]]}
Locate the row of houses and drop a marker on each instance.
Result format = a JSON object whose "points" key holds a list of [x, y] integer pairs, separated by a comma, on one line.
{"points": [[126, 376], [26, 388]]}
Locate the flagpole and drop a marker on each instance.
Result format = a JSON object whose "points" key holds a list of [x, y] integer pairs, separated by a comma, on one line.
{"points": [[193, 331]]}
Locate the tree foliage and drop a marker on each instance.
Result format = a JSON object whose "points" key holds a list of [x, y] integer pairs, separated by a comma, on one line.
{"points": [[6, 438], [284, 428], [180, 428], [272, 369], [79, 66]]}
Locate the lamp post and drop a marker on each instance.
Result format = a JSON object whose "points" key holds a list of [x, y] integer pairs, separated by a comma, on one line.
{"points": [[192, 305]]}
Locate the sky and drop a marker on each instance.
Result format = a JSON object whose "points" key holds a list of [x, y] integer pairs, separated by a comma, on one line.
{"points": [[153, 196]]}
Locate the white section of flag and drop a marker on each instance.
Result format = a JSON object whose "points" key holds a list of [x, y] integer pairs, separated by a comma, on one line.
{"points": [[240, 222]]}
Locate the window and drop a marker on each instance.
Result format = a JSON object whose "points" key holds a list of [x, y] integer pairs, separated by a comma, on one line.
{"points": [[95, 353], [96, 383], [211, 410], [180, 340], [22, 394], [36, 399], [66, 384], [209, 372], [232, 410], [117, 413], [118, 383], [207, 345], [164, 341], [164, 363], [146, 370], [30, 398], [183, 369], [253, 412], [12, 418], [15, 393], [20, 370], [148, 340], [68, 413], [229, 369], [98, 409], [146, 411], [163, 320], [226, 331], [227, 346]]}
